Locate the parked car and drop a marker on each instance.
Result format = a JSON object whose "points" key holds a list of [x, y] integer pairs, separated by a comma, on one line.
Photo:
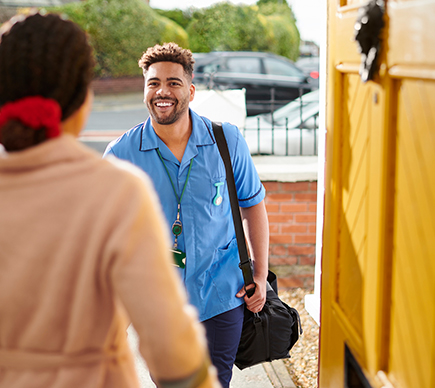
{"points": [[310, 66], [270, 81], [291, 130]]}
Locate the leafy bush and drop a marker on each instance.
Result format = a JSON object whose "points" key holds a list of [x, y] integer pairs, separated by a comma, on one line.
{"points": [[282, 24], [120, 31], [269, 26], [227, 27], [177, 15]]}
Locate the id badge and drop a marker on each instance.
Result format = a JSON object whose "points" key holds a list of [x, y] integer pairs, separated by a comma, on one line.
{"points": [[179, 258]]}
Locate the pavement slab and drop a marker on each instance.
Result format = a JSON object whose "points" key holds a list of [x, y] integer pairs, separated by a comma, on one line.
{"points": [[267, 375]]}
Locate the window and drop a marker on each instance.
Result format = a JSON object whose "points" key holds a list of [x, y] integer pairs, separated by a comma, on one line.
{"points": [[276, 67], [243, 65], [210, 68]]}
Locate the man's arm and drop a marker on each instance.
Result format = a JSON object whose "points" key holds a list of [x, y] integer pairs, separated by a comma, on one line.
{"points": [[256, 227]]}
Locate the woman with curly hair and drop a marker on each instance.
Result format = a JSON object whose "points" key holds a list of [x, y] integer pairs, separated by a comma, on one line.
{"points": [[83, 245]]}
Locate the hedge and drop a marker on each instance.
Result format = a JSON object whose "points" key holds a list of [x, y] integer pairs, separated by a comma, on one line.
{"points": [[120, 31]]}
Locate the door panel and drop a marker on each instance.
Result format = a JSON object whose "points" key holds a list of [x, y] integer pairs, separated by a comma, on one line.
{"points": [[412, 356], [378, 263]]}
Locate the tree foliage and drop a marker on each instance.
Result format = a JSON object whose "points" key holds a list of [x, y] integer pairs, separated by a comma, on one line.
{"points": [[226, 27], [177, 15], [281, 22], [120, 31], [269, 26]]}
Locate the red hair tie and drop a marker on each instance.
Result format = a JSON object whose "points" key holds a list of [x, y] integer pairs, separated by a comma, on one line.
{"points": [[35, 112]]}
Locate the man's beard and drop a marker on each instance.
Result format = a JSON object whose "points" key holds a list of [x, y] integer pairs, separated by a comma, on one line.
{"points": [[177, 111]]}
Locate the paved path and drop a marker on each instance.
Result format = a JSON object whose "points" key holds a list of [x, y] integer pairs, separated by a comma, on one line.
{"points": [[259, 376]]}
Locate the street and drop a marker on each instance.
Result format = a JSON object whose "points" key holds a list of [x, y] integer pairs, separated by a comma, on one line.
{"points": [[111, 116]]}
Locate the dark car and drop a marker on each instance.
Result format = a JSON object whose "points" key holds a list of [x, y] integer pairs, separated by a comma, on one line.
{"points": [[270, 81], [310, 66]]}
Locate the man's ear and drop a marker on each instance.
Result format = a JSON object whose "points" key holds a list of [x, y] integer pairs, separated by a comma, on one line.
{"points": [[192, 92]]}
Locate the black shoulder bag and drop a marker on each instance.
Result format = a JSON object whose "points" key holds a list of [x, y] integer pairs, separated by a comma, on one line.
{"points": [[270, 334]]}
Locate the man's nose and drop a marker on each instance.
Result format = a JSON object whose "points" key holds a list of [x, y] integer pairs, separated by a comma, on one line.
{"points": [[164, 91]]}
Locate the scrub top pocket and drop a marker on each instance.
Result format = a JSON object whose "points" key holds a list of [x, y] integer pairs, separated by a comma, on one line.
{"points": [[225, 272]]}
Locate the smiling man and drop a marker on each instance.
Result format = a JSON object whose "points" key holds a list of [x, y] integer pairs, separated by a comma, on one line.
{"points": [[177, 149]]}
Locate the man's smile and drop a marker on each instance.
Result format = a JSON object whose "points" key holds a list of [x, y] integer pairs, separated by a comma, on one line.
{"points": [[164, 103]]}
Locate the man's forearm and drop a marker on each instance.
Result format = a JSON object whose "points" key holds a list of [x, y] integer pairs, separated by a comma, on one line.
{"points": [[256, 226]]}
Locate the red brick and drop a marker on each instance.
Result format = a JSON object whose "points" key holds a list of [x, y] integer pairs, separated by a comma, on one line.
{"points": [[309, 282], [280, 218], [301, 250], [280, 197], [280, 239], [307, 260], [117, 85], [312, 229], [272, 208], [290, 282], [283, 260], [295, 186], [305, 218], [279, 250], [306, 197], [312, 207], [294, 229], [271, 186], [294, 208], [305, 238], [313, 186], [273, 228]]}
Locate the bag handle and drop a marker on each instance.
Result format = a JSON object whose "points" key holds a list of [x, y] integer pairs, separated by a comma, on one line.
{"points": [[245, 262]]}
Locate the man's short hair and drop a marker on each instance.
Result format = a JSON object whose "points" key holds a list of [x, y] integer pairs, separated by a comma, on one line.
{"points": [[168, 52]]}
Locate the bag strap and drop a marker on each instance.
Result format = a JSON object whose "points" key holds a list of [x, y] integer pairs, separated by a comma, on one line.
{"points": [[245, 262]]}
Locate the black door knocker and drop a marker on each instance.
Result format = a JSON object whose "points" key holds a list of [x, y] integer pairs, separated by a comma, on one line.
{"points": [[368, 27]]}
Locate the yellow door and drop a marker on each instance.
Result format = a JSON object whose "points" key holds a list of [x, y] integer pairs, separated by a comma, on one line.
{"points": [[378, 264]]}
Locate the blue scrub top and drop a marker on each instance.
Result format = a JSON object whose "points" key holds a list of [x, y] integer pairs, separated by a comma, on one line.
{"points": [[212, 275]]}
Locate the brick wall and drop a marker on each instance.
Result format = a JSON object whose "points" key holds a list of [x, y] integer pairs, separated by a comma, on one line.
{"points": [[118, 85], [291, 208]]}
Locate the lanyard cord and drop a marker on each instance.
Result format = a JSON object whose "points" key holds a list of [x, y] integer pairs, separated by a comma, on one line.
{"points": [[172, 183]]}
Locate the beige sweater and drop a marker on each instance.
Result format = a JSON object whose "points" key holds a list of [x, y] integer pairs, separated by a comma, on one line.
{"points": [[83, 251]]}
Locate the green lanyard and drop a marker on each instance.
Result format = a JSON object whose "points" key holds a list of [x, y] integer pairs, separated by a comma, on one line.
{"points": [[177, 226]]}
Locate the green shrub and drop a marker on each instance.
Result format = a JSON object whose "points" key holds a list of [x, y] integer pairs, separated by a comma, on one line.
{"points": [[120, 31], [282, 25], [269, 26], [226, 27], [176, 15]]}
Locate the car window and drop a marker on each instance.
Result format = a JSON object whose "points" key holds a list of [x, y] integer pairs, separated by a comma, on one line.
{"points": [[210, 68], [276, 67], [243, 65]]}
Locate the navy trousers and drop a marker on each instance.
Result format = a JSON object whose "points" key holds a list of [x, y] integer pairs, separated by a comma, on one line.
{"points": [[223, 336]]}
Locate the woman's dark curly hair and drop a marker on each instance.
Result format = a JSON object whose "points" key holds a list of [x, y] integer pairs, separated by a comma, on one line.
{"points": [[168, 52], [42, 55]]}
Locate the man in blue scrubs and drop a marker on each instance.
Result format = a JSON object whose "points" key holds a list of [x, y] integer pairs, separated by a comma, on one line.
{"points": [[178, 150]]}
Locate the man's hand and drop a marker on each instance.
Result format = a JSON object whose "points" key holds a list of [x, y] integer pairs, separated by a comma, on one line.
{"points": [[256, 302]]}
